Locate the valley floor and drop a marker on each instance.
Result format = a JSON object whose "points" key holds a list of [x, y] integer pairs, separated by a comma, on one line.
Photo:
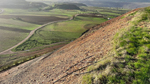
{"points": [[66, 65]]}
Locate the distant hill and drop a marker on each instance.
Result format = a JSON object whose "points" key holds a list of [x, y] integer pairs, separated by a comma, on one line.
{"points": [[65, 6], [77, 4], [20, 4], [93, 0], [130, 4]]}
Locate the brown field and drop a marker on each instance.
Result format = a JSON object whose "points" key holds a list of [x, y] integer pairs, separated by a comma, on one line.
{"points": [[33, 19], [14, 29]]}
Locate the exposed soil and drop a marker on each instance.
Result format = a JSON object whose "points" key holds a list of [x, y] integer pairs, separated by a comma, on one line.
{"points": [[33, 19], [66, 65], [14, 29]]}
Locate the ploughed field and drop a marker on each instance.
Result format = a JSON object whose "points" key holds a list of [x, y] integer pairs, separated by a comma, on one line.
{"points": [[33, 19]]}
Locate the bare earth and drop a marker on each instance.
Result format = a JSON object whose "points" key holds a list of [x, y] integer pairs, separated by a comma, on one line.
{"points": [[66, 65]]}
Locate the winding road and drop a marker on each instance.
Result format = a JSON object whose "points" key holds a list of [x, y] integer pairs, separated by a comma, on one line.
{"points": [[31, 33]]}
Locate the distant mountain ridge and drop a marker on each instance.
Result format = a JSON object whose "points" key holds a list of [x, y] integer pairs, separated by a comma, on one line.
{"points": [[93, 0], [66, 6], [129, 4], [20, 4]]}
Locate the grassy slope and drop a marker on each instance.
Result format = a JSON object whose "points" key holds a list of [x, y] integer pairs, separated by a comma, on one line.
{"points": [[59, 32], [130, 64]]}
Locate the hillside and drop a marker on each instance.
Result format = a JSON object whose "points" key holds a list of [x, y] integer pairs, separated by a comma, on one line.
{"points": [[129, 4], [64, 6], [67, 6], [20, 4], [116, 51]]}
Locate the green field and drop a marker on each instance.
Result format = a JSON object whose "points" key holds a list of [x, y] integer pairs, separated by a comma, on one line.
{"points": [[10, 38], [13, 31], [60, 32]]}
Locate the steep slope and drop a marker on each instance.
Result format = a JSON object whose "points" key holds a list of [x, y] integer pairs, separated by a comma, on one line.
{"points": [[128, 61], [66, 65]]}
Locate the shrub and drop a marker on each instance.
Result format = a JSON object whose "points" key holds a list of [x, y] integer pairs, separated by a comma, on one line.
{"points": [[87, 79]]}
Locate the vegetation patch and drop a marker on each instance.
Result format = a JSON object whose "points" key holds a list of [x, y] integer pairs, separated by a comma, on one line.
{"points": [[17, 62], [130, 64]]}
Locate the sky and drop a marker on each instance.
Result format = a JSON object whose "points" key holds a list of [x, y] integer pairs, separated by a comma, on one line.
{"points": [[97, 0]]}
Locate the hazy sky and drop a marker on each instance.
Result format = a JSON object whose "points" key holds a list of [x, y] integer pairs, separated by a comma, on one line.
{"points": [[97, 0]]}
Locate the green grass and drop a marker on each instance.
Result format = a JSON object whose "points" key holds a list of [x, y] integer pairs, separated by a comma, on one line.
{"points": [[59, 32], [131, 61], [135, 43], [109, 13]]}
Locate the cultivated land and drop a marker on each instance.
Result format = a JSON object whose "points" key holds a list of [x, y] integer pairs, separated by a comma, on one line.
{"points": [[60, 32], [24, 21]]}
